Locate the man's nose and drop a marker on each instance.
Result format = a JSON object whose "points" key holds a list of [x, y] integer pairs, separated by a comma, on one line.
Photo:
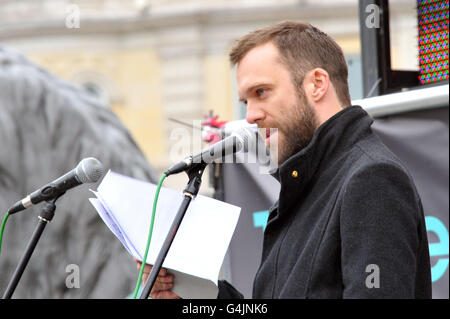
{"points": [[254, 114]]}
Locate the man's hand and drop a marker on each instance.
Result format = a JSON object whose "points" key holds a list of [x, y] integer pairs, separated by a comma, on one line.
{"points": [[163, 283]]}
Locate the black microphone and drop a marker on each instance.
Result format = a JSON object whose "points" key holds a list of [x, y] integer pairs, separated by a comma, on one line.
{"points": [[89, 170], [237, 141]]}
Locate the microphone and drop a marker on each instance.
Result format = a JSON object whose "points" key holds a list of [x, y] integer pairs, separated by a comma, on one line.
{"points": [[237, 141], [233, 126], [89, 170]]}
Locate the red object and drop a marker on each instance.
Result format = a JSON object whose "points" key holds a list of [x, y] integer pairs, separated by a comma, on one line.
{"points": [[211, 128], [213, 122]]}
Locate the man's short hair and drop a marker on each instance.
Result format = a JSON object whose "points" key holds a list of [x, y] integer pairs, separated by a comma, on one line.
{"points": [[302, 48]]}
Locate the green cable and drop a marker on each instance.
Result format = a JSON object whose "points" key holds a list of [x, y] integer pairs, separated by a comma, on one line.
{"points": [[2, 229], [155, 201]]}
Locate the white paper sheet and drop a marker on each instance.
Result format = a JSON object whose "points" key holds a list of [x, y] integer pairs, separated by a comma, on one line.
{"points": [[197, 252]]}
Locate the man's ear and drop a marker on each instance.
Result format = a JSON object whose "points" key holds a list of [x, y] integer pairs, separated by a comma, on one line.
{"points": [[317, 82]]}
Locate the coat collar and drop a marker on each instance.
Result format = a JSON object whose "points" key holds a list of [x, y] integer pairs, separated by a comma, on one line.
{"points": [[331, 139]]}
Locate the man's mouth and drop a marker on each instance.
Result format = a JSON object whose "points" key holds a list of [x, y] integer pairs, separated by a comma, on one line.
{"points": [[264, 132], [269, 133]]}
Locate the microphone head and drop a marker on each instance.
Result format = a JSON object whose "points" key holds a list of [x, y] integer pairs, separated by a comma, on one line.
{"points": [[246, 136], [234, 126], [89, 170]]}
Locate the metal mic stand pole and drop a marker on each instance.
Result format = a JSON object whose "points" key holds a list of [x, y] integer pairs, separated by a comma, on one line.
{"points": [[45, 217], [191, 190]]}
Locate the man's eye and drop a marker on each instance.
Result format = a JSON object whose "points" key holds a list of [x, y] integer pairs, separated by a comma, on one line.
{"points": [[260, 91]]}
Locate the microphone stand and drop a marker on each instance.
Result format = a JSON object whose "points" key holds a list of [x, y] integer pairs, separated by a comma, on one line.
{"points": [[195, 179], [48, 211]]}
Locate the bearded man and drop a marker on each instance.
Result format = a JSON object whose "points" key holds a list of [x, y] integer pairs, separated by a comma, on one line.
{"points": [[349, 222]]}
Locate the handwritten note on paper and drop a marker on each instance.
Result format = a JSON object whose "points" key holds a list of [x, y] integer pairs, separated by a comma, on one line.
{"points": [[197, 252]]}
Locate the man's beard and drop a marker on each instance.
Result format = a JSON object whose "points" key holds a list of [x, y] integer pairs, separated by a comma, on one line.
{"points": [[298, 130]]}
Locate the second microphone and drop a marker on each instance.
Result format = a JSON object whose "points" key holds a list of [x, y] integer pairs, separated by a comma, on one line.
{"points": [[236, 142]]}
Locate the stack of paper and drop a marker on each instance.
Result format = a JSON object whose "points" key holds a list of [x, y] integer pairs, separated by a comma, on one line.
{"points": [[197, 252]]}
